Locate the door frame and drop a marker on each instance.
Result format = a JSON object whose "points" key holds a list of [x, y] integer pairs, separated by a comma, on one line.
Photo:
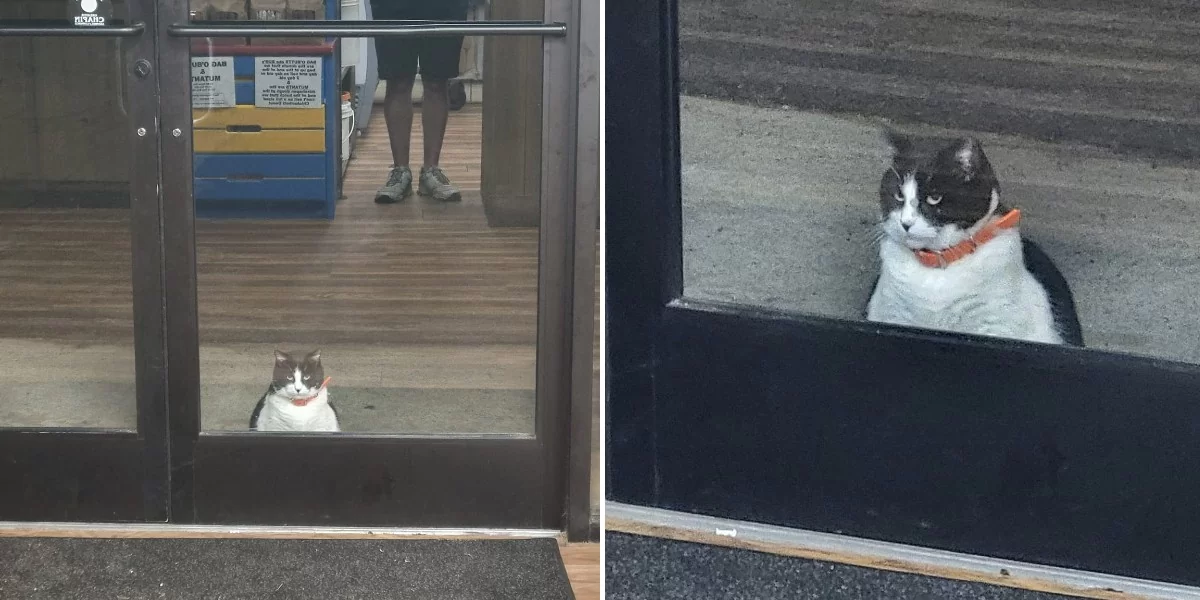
{"points": [[500, 481], [73, 474], [168, 471], [746, 413]]}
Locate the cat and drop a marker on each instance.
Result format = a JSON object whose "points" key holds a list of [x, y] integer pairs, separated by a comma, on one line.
{"points": [[297, 399], [952, 256]]}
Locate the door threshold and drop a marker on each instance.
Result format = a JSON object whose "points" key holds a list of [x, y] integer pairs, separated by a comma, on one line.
{"points": [[166, 530], [887, 556]]}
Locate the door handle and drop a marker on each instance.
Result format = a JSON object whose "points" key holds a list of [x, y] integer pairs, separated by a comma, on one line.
{"points": [[30, 29], [341, 29]]}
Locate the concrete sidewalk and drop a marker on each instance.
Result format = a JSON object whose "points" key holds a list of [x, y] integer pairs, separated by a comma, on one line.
{"points": [[779, 206]]}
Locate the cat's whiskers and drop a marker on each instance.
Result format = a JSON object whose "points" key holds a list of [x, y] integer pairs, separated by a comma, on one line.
{"points": [[877, 234]]}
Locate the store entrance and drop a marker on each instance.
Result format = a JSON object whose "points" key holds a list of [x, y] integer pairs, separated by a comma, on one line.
{"points": [[249, 282]]}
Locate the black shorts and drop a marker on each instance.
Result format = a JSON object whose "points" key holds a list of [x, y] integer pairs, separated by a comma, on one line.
{"points": [[438, 57]]}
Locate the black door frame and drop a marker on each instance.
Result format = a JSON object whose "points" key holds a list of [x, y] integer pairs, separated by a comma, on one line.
{"points": [[1059, 456], [182, 476], [95, 475], [376, 480]]}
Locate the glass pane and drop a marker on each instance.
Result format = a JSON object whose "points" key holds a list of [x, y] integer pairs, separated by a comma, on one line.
{"points": [[337, 291], [66, 334], [1082, 119]]}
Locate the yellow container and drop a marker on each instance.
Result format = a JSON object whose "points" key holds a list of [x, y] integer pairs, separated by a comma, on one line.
{"points": [[221, 141], [252, 116]]}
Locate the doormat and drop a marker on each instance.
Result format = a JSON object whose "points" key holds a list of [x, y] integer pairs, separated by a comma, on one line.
{"points": [[229, 569], [645, 568]]}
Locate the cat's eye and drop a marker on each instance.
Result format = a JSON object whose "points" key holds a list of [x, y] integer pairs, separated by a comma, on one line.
{"points": [[307, 377], [898, 197], [932, 200]]}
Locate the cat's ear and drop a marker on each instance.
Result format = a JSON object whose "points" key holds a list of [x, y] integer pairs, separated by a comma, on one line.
{"points": [[280, 357], [968, 155], [899, 143], [315, 356]]}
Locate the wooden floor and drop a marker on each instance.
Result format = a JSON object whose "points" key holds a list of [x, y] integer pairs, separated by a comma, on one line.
{"points": [[420, 272], [583, 568], [416, 273]]}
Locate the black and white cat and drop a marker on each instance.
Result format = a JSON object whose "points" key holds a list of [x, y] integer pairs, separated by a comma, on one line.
{"points": [[297, 399], [952, 254]]}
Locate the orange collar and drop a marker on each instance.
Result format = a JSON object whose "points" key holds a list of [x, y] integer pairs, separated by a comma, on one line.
{"points": [[943, 258], [306, 399]]}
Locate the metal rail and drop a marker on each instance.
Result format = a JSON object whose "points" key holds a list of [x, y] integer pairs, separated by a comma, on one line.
{"points": [[365, 28]]}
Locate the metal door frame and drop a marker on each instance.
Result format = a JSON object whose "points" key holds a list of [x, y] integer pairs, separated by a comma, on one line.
{"points": [[54, 474], [745, 413], [75, 474], [499, 481]]}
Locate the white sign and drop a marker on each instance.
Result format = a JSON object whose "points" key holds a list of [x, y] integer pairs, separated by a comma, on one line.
{"points": [[287, 81], [89, 20], [90, 13], [212, 82]]}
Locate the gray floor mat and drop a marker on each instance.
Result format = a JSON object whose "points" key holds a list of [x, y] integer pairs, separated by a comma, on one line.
{"points": [[137, 569], [646, 568]]}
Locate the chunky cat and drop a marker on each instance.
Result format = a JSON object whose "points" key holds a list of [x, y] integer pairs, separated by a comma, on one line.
{"points": [[297, 399], [952, 254]]}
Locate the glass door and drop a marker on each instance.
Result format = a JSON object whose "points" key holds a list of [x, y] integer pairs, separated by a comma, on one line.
{"points": [[780, 352], [367, 241], [82, 406]]}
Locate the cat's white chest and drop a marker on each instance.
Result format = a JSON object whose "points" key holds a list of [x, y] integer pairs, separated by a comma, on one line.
{"points": [[279, 414], [988, 292]]}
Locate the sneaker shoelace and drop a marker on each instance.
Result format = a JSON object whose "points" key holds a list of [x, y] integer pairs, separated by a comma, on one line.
{"points": [[396, 176], [437, 174]]}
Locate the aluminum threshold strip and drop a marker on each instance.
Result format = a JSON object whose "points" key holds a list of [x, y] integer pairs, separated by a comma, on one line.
{"points": [[366, 29], [885, 555], [132, 30], [148, 530]]}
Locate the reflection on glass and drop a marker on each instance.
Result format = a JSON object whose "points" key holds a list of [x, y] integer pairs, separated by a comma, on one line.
{"points": [[66, 334], [792, 193], [367, 229]]}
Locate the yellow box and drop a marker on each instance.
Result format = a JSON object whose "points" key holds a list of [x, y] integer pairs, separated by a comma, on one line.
{"points": [[220, 141], [266, 118]]}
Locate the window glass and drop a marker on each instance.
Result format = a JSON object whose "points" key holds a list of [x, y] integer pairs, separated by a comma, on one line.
{"points": [[1041, 170]]}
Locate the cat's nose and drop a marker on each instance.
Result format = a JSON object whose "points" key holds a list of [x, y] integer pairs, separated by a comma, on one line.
{"points": [[906, 225]]}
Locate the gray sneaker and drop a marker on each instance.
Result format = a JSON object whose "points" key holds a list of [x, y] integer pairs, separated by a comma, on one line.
{"points": [[436, 185], [397, 188]]}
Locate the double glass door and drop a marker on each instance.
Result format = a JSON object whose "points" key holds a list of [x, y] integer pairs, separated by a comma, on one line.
{"points": [[246, 280]]}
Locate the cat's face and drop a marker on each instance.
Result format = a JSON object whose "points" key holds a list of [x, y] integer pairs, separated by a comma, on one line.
{"points": [[297, 375], [936, 198]]}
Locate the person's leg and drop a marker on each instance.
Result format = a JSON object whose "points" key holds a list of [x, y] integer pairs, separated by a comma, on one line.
{"points": [[397, 58], [435, 111], [439, 64], [398, 113]]}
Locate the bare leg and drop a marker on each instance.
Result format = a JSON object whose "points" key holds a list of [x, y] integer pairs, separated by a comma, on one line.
{"points": [[398, 112], [435, 111]]}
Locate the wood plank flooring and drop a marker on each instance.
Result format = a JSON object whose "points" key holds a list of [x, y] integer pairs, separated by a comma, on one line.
{"points": [[584, 564], [419, 272], [415, 273]]}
